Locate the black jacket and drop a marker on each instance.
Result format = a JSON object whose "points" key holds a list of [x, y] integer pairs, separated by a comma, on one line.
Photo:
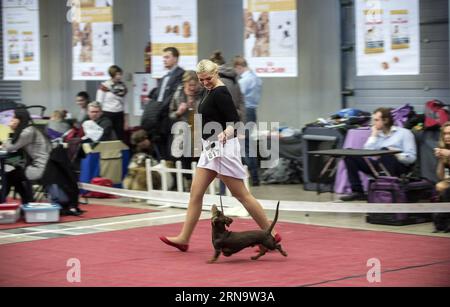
{"points": [[155, 119], [58, 171], [108, 131]]}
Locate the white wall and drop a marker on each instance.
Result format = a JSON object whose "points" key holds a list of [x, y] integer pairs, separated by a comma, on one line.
{"points": [[292, 101]]}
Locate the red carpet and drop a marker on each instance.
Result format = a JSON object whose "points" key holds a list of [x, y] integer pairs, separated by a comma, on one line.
{"points": [[92, 212], [319, 256]]}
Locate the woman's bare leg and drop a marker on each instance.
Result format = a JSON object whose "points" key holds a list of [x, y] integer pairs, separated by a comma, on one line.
{"points": [[239, 190], [202, 178]]}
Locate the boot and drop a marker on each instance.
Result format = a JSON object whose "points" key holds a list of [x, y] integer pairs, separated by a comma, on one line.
{"points": [[26, 192]]}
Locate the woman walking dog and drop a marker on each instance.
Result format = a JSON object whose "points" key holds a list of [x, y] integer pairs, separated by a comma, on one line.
{"points": [[217, 108]]}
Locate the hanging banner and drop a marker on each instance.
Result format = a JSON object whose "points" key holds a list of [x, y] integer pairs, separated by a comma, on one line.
{"points": [[387, 37], [21, 45], [270, 37], [173, 24], [92, 39], [142, 84]]}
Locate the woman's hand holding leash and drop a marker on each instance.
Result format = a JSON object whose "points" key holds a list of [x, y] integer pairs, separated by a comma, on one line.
{"points": [[226, 134], [222, 137]]}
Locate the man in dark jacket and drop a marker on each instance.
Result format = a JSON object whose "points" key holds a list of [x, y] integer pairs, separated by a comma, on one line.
{"points": [[230, 78], [155, 119], [98, 120]]}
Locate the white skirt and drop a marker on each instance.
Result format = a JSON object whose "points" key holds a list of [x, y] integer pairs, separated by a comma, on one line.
{"points": [[229, 163]]}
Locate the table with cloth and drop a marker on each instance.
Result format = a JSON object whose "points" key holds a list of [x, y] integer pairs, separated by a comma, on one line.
{"points": [[355, 139]]}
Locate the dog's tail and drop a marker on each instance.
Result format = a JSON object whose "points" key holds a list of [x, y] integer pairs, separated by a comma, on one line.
{"points": [[274, 220]]}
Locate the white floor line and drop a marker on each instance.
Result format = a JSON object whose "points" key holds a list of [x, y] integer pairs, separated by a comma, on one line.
{"points": [[164, 206], [90, 226]]}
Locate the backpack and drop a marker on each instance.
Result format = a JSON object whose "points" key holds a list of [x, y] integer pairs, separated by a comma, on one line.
{"points": [[386, 189], [287, 171], [402, 114], [155, 113], [436, 114], [105, 182], [350, 112]]}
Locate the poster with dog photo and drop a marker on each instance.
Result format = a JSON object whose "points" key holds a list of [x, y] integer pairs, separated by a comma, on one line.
{"points": [[270, 37], [21, 45], [142, 84], [92, 40], [387, 37], [173, 24]]}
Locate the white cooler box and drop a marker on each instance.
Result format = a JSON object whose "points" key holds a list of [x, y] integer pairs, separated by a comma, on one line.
{"points": [[41, 212], [9, 213]]}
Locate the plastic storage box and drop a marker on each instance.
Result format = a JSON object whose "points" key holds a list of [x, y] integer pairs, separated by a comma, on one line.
{"points": [[41, 212], [9, 213]]}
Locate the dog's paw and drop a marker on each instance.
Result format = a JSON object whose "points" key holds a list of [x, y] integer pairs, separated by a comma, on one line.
{"points": [[210, 261], [255, 257]]}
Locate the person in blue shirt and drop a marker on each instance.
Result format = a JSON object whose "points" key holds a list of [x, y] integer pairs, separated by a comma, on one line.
{"points": [[251, 87], [384, 136]]}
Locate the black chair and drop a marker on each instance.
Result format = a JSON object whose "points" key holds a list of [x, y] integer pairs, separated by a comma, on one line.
{"points": [[42, 108]]}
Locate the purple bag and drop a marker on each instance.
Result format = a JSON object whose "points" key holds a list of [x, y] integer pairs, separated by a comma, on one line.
{"points": [[400, 190], [401, 114], [386, 189]]}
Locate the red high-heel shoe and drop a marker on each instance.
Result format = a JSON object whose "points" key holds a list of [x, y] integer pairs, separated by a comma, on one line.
{"points": [[181, 247]]}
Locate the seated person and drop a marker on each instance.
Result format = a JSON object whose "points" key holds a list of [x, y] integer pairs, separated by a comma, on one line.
{"points": [[57, 126], [443, 155], [384, 136], [98, 128], [36, 147]]}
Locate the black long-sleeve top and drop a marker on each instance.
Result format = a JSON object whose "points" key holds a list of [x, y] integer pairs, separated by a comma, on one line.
{"points": [[217, 106]]}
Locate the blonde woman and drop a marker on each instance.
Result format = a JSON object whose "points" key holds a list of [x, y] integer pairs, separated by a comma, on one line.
{"points": [[183, 107], [217, 108], [443, 155]]}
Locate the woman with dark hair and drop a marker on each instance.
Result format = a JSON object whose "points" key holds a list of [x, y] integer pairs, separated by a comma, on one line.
{"points": [[37, 149]]}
